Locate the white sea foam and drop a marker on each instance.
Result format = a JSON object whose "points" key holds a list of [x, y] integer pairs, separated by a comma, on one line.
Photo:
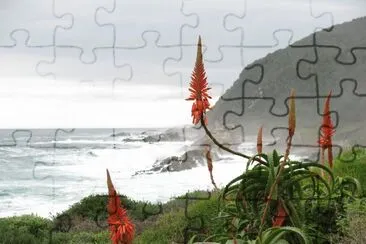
{"points": [[72, 174]]}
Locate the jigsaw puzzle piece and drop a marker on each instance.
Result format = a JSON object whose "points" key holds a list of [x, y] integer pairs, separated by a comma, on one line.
{"points": [[6, 138], [347, 123], [67, 65], [165, 19], [84, 18], [195, 223], [263, 12], [341, 38], [340, 12], [62, 135], [22, 140], [253, 53], [220, 73], [147, 62], [304, 143], [16, 138], [36, 17], [47, 168], [350, 125], [251, 112], [14, 148], [41, 168], [211, 25], [276, 73], [329, 72], [25, 57]]}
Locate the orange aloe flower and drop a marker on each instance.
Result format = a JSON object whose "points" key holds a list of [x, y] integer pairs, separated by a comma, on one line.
{"points": [[121, 228], [280, 217], [199, 88], [327, 131]]}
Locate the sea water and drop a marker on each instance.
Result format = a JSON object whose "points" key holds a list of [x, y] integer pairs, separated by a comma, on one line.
{"points": [[44, 172]]}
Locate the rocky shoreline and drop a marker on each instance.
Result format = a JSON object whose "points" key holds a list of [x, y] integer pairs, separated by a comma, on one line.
{"points": [[188, 160], [193, 155]]}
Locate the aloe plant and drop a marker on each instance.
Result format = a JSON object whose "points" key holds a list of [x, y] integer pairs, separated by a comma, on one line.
{"points": [[245, 196], [275, 201], [273, 235]]}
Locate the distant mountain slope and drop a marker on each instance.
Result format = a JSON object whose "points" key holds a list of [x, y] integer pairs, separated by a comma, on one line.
{"points": [[339, 54]]}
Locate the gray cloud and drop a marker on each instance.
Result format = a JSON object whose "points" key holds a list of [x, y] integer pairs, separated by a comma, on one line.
{"points": [[150, 42]]}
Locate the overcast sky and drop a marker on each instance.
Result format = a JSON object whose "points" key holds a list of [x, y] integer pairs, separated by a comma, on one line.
{"points": [[94, 63]]}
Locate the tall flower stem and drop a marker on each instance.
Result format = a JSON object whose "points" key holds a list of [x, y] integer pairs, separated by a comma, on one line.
{"points": [[273, 187], [322, 160], [210, 166], [292, 126], [226, 148]]}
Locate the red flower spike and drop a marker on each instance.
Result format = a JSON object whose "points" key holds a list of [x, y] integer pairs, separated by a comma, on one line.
{"points": [[280, 217], [199, 88], [121, 228], [327, 131]]}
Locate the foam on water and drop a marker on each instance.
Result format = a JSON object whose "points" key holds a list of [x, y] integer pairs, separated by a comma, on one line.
{"points": [[72, 174]]}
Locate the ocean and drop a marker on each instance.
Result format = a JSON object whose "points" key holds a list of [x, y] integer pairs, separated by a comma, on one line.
{"points": [[45, 171]]}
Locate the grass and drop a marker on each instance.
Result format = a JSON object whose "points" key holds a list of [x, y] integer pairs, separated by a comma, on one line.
{"points": [[352, 163]]}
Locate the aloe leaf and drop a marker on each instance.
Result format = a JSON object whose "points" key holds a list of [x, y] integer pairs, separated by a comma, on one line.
{"points": [[276, 235]]}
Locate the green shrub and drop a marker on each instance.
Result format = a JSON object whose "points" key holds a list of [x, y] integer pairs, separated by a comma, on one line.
{"points": [[95, 206], [90, 237], [81, 238], [24, 229], [171, 225], [168, 228]]}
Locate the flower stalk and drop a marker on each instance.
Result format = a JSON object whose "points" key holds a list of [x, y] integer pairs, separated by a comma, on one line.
{"points": [[210, 166], [260, 140], [292, 126]]}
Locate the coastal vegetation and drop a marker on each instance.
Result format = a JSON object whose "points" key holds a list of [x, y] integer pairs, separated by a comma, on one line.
{"points": [[168, 226], [273, 200]]}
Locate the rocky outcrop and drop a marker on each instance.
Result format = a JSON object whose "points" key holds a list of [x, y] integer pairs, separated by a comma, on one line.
{"points": [[188, 133], [188, 160], [121, 134], [168, 136]]}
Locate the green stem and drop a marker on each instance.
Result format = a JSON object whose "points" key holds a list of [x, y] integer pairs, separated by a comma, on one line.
{"points": [[277, 180], [226, 148]]}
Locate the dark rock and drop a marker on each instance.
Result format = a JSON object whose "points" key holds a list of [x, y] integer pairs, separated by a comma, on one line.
{"points": [[132, 139], [92, 154], [121, 134], [151, 139], [166, 136], [188, 160]]}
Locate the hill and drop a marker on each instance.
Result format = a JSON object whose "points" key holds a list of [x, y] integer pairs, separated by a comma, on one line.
{"points": [[328, 60]]}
